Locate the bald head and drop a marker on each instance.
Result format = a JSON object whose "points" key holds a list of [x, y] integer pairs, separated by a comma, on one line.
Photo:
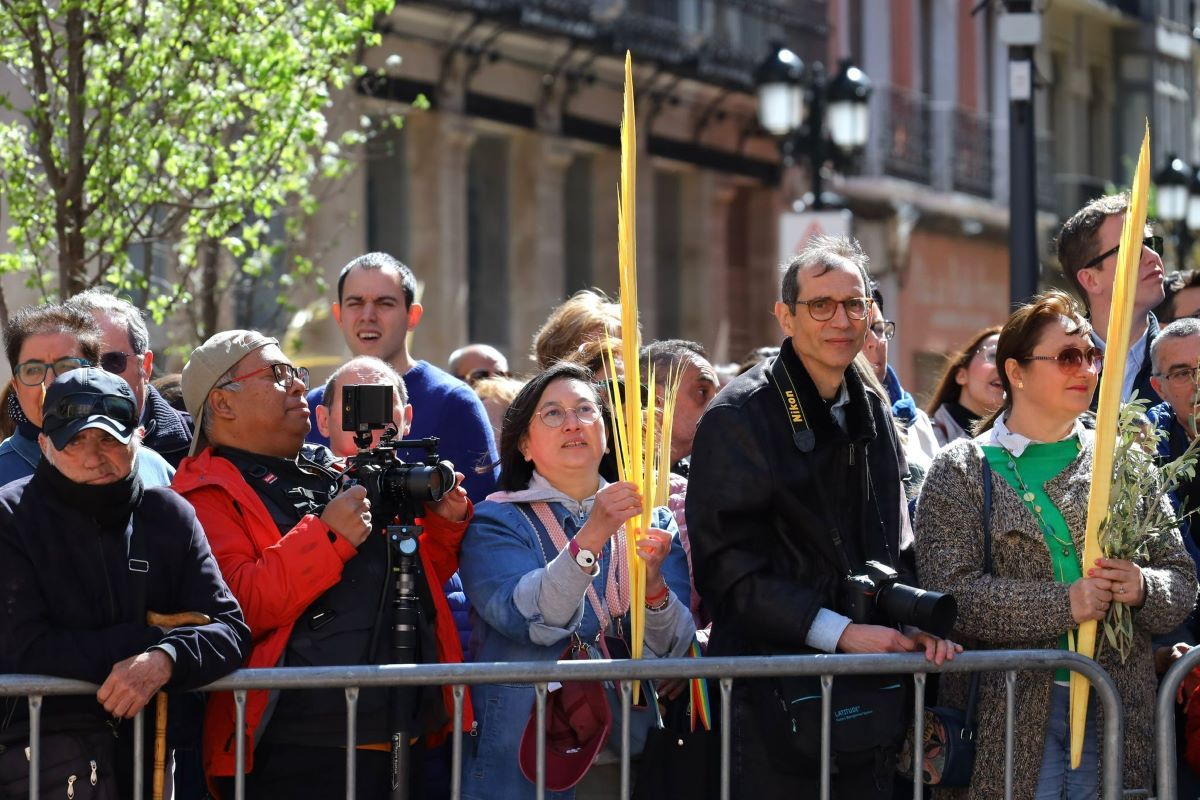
{"points": [[476, 361]]}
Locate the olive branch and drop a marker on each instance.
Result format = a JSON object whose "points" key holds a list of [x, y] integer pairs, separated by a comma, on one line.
{"points": [[1137, 516]]}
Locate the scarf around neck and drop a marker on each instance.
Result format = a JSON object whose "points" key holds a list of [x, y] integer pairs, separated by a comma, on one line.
{"points": [[110, 504]]}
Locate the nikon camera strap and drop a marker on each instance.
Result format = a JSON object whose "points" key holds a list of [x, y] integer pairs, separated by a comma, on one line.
{"points": [[805, 441], [802, 434]]}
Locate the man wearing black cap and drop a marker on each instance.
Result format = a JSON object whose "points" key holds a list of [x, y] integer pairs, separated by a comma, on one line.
{"points": [[87, 555]]}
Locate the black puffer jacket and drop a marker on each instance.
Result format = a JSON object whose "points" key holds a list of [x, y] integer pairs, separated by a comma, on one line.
{"points": [[760, 511]]}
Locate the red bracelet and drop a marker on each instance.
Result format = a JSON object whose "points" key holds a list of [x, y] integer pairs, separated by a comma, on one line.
{"points": [[655, 599]]}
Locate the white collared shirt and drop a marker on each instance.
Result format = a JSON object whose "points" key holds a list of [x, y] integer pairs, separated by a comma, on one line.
{"points": [[1000, 436]]}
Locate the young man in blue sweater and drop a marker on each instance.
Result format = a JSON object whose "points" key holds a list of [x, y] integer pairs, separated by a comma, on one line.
{"points": [[375, 310]]}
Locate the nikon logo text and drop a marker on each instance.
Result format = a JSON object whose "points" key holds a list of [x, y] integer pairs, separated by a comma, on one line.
{"points": [[794, 407]]}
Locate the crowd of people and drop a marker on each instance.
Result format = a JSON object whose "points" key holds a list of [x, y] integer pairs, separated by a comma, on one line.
{"points": [[158, 535]]}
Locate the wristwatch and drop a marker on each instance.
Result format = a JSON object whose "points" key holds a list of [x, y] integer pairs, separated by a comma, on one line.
{"points": [[584, 558]]}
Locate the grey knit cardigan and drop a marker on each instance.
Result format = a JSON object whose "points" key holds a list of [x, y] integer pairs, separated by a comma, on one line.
{"points": [[1021, 606]]}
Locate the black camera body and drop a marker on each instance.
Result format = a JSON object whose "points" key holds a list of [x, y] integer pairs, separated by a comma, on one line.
{"points": [[395, 488], [876, 597]]}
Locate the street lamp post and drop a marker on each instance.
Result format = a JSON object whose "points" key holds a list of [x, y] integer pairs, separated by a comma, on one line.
{"points": [[811, 115], [1174, 184]]}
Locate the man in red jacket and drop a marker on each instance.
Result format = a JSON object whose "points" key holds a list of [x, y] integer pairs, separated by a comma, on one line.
{"points": [[298, 553]]}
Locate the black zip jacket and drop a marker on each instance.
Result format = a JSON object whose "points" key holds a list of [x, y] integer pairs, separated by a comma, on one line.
{"points": [[760, 512], [66, 601]]}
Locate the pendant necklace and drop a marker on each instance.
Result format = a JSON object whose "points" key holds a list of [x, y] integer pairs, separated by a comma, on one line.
{"points": [[1031, 503]]}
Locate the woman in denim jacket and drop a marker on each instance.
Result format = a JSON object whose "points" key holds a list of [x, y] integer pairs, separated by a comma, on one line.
{"points": [[530, 595]]}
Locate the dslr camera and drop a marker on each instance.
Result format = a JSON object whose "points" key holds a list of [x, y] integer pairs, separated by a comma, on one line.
{"points": [[876, 597], [395, 488]]}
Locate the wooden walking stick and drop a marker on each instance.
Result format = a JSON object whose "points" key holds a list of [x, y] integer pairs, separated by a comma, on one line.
{"points": [[167, 622]]}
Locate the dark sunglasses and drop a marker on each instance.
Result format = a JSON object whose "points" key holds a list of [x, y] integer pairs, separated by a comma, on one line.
{"points": [[115, 361], [1073, 358], [82, 406], [1155, 243]]}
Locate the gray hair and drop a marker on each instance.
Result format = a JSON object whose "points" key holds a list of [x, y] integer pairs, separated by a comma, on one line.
{"points": [[1179, 329], [826, 253], [371, 363], [121, 311], [206, 424]]}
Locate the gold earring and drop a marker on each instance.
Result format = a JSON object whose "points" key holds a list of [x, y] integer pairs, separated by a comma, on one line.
{"points": [[1020, 384]]}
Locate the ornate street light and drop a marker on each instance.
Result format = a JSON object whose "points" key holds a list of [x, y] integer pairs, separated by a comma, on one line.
{"points": [[1174, 181], [780, 80], [813, 116], [849, 115], [1174, 184]]}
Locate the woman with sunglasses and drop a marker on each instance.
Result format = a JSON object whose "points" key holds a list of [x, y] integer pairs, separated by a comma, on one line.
{"points": [[544, 563], [42, 343], [1038, 592], [968, 390]]}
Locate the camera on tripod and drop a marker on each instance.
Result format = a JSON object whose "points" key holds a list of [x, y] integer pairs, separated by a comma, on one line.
{"points": [[877, 597], [395, 488]]}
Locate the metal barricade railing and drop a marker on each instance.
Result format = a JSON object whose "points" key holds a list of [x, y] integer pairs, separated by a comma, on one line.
{"points": [[1164, 722], [725, 670]]}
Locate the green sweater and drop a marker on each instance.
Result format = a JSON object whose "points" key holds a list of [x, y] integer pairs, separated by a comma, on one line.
{"points": [[1038, 464]]}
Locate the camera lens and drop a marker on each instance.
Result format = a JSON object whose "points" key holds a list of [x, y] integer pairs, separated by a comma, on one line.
{"points": [[420, 483], [934, 612]]}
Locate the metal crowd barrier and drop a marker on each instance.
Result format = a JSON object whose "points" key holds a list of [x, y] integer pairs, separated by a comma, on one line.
{"points": [[1164, 722], [724, 670]]}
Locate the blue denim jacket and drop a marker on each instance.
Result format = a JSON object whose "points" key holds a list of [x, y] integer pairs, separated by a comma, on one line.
{"points": [[501, 547]]}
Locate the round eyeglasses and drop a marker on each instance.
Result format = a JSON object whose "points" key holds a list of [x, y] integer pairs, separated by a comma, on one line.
{"points": [[32, 373], [822, 309], [554, 416]]}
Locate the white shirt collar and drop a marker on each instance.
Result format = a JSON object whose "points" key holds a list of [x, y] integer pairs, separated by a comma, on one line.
{"points": [[999, 435]]}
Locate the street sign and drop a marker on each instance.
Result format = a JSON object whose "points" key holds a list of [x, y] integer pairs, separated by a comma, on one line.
{"points": [[795, 229]]}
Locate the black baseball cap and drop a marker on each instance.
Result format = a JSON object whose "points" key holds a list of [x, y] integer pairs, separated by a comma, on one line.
{"points": [[88, 398]]}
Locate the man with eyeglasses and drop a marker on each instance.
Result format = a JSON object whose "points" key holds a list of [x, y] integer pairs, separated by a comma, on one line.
{"points": [[126, 352], [1087, 250], [476, 362], [43, 342], [297, 551], [792, 458], [87, 553], [1175, 357]]}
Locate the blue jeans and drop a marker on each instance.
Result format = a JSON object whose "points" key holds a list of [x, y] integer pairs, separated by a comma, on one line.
{"points": [[1057, 781]]}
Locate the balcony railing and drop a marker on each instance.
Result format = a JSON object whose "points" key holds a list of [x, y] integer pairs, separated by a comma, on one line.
{"points": [[719, 41], [905, 131], [972, 168]]}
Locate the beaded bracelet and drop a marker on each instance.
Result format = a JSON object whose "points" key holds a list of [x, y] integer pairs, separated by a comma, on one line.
{"points": [[659, 605]]}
